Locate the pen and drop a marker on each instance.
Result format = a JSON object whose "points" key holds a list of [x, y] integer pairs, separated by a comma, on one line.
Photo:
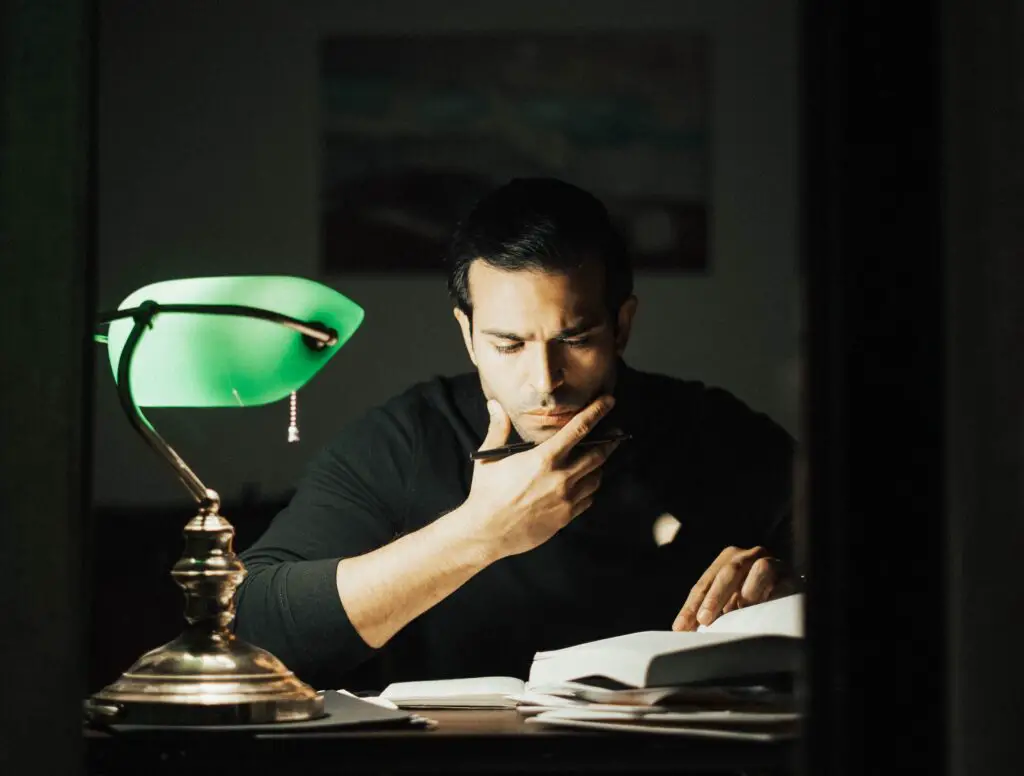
{"points": [[518, 447]]}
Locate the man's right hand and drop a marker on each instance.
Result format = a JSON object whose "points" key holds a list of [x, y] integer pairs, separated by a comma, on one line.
{"points": [[521, 501]]}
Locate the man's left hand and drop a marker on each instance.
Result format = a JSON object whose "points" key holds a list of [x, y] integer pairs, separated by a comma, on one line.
{"points": [[736, 579]]}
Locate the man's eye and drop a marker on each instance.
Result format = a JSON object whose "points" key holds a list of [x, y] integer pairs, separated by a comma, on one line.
{"points": [[508, 348], [577, 342]]}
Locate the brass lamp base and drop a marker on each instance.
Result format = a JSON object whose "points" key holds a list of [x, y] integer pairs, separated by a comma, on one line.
{"points": [[206, 676], [191, 681]]}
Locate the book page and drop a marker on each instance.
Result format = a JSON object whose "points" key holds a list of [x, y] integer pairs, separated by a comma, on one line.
{"points": [[644, 643], [783, 616], [624, 659]]}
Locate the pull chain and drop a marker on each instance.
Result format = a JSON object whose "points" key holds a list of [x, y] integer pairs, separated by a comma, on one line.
{"points": [[293, 417]]}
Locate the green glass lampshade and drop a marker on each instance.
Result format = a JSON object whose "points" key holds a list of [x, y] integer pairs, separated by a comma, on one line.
{"points": [[205, 360]]}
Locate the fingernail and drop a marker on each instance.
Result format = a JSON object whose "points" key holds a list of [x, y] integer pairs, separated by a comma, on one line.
{"points": [[704, 616]]}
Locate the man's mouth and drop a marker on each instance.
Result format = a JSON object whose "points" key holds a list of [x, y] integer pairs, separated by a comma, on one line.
{"points": [[553, 413], [552, 417]]}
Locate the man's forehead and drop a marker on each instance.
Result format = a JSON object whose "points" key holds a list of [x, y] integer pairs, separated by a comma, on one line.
{"points": [[580, 290]]}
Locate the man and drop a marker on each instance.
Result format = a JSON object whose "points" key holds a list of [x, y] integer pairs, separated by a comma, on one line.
{"points": [[401, 556]]}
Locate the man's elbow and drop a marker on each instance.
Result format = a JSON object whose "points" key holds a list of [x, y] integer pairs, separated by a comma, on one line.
{"points": [[259, 620], [295, 632]]}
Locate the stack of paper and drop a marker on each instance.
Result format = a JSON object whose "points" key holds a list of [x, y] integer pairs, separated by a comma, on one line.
{"points": [[755, 713], [710, 683], [739, 725]]}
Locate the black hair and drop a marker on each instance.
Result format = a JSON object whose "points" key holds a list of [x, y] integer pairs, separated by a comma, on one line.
{"points": [[539, 224]]}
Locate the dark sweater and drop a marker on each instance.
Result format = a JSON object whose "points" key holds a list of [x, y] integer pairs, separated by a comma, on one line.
{"points": [[697, 453]]}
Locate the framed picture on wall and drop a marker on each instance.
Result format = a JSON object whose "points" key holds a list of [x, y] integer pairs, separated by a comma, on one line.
{"points": [[415, 129]]}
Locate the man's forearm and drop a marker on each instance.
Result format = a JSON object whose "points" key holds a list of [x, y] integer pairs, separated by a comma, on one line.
{"points": [[384, 590]]}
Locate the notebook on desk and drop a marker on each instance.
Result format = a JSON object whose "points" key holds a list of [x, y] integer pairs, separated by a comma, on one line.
{"points": [[484, 692], [340, 712], [760, 640]]}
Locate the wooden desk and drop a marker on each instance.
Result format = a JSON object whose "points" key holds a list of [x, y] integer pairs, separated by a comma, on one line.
{"points": [[464, 742]]}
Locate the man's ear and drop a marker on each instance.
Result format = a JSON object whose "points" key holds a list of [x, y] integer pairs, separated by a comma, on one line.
{"points": [[624, 324], [466, 325]]}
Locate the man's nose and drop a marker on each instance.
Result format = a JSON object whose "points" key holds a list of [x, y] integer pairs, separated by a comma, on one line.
{"points": [[547, 371]]}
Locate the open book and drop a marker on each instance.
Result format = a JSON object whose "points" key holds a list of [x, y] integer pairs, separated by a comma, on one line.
{"points": [[751, 642], [760, 640]]}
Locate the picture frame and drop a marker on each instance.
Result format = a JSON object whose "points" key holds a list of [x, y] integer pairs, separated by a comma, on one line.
{"points": [[415, 129]]}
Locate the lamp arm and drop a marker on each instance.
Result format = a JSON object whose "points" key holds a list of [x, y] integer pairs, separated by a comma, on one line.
{"points": [[315, 335], [209, 500]]}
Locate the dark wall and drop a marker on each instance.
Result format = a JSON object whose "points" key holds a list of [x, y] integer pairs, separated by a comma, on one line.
{"points": [[46, 282], [984, 169]]}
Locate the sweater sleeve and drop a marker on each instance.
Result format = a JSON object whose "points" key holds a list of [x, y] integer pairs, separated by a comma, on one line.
{"points": [[351, 500]]}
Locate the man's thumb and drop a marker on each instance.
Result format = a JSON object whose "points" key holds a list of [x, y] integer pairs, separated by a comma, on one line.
{"points": [[498, 430]]}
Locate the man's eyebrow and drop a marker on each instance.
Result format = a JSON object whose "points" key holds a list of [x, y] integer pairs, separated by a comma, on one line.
{"points": [[505, 335], [572, 331], [579, 328]]}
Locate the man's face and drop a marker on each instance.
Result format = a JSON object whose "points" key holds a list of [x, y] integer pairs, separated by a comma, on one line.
{"points": [[543, 343]]}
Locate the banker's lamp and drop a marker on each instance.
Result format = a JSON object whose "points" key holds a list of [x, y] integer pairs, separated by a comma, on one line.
{"points": [[215, 342]]}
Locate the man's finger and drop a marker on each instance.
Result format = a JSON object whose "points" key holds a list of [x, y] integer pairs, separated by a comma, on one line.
{"points": [[590, 461], [586, 486], [727, 581], [576, 429], [687, 617], [734, 603], [582, 506], [759, 582]]}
